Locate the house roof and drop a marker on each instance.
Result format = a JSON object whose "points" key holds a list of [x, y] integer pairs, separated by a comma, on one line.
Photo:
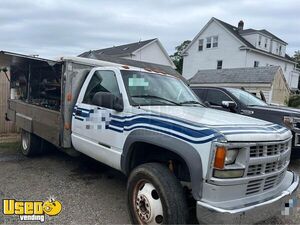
{"points": [[130, 62], [129, 50], [122, 50], [235, 32], [263, 31], [239, 35], [236, 75]]}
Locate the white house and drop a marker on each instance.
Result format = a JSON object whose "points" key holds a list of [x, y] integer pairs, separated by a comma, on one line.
{"points": [[220, 45], [150, 51]]}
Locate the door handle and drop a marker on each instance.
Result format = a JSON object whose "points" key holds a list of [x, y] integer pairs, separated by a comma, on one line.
{"points": [[247, 112]]}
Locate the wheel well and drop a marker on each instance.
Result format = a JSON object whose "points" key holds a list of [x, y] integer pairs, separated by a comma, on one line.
{"points": [[141, 152]]}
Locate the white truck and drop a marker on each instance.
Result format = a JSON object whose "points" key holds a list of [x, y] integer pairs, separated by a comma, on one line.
{"points": [[151, 126]]}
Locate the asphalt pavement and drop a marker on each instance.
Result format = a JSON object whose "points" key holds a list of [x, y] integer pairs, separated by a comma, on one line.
{"points": [[90, 192]]}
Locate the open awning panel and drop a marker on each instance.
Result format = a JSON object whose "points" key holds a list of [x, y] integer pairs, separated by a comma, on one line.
{"points": [[8, 59], [34, 80]]}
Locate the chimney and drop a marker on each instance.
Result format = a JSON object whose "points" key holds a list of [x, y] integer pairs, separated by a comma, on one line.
{"points": [[241, 25]]}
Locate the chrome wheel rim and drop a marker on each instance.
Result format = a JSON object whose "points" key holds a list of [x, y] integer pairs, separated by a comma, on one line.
{"points": [[147, 203], [25, 141]]}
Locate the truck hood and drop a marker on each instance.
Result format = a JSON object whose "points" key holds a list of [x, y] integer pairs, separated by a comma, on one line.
{"points": [[233, 127]]}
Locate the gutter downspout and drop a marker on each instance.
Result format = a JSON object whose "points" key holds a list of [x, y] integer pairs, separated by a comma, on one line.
{"points": [[246, 58]]}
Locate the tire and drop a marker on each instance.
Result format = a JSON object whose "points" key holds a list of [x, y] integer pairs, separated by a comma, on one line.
{"points": [[155, 196], [30, 144]]}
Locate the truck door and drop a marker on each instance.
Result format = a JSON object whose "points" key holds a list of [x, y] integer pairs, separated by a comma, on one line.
{"points": [[89, 122]]}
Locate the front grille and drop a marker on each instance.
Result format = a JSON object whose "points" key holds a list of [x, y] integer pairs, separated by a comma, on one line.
{"points": [[260, 185], [268, 150], [254, 170], [267, 166], [254, 186]]}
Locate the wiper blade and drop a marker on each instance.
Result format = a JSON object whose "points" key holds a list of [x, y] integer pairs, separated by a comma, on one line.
{"points": [[154, 96], [190, 102]]}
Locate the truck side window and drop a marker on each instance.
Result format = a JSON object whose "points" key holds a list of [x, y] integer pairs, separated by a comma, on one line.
{"points": [[215, 97], [102, 81], [201, 93]]}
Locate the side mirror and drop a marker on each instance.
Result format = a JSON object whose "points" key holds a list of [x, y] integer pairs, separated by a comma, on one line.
{"points": [[108, 100], [229, 105]]}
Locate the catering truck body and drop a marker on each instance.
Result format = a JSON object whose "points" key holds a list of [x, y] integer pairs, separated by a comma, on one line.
{"points": [[151, 126]]}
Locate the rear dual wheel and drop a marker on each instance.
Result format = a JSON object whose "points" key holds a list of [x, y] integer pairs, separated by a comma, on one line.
{"points": [[30, 144], [155, 196]]}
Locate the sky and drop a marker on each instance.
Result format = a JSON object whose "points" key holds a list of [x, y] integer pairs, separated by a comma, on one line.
{"points": [[52, 28]]}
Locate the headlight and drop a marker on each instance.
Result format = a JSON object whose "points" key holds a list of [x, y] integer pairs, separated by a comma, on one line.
{"points": [[231, 156], [224, 157], [291, 122], [288, 121]]}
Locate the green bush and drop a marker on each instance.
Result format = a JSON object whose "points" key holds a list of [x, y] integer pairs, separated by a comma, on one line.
{"points": [[294, 101]]}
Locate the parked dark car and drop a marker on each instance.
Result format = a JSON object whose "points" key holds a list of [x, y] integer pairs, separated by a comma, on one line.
{"points": [[242, 102]]}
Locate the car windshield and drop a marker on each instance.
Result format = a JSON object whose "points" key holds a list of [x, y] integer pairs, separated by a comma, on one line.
{"points": [[145, 88], [246, 98]]}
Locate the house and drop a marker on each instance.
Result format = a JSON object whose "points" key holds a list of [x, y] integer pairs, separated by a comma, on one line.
{"points": [[220, 45], [150, 51], [269, 79], [129, 62]]}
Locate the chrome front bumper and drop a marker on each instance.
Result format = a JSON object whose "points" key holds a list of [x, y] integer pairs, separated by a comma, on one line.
{"points": [[206, 213]]}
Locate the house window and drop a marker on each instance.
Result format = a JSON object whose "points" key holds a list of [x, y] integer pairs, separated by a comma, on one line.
{"points": [[285, 67], [208, 42], [215, 41], [280, 49], [259, 40], [266, 43], [219, 64], [277, 48], [212, 42], [256, 63], [200, 47]]}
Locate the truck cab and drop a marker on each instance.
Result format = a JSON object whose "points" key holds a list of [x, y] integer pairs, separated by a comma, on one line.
{"points": [[152, 127]]}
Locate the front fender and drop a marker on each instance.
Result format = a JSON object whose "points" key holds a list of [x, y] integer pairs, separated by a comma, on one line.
{"points": [[188, 153]]}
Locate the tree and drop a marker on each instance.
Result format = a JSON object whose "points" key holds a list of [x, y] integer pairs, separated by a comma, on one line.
{"points": [[297, 58], [177, 57], [294, 101]]}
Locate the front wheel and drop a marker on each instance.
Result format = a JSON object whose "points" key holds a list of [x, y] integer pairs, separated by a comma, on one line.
{"points": [[155, 196]]}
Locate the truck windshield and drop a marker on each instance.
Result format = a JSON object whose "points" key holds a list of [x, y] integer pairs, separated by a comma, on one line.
{"points": [[156, 89], [246, 98]]}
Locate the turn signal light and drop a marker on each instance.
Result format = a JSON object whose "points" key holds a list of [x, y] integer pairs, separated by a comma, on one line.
{"points": [[220, 158]]}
